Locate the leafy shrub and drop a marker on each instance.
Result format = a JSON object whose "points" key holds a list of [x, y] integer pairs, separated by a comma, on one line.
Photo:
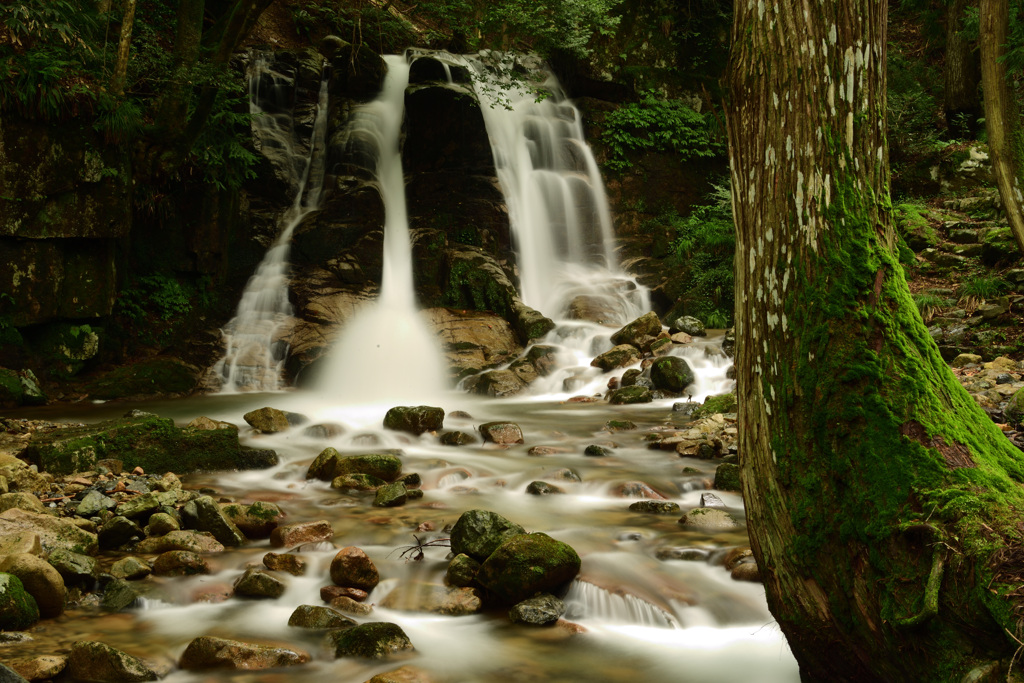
{"points": [[656, 124], [161, 296]]}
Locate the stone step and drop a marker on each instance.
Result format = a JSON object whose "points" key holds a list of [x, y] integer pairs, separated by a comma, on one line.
{"points": [[964, 235], [969, 250]]}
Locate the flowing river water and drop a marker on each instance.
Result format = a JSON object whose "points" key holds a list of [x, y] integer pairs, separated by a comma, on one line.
{"points": [[634, 613]]}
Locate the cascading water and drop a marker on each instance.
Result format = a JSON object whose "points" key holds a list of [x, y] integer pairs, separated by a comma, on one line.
{"points": [[254, 352], [386, 350], [562, 225]]}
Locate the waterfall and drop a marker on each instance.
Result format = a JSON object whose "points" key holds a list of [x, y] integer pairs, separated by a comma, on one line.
{"points": [[558, 210], [386, 351], [254, 352]]}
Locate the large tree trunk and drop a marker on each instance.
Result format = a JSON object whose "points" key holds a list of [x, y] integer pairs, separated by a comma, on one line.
{"points": [[962, 103], [878, 493], [1002, 119]]}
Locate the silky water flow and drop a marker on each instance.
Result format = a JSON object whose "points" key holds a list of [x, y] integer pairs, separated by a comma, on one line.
{"points": [[652, 601]]}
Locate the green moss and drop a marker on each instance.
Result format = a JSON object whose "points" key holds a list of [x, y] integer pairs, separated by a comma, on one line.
{"points": [[722, 403], [151, 442]]}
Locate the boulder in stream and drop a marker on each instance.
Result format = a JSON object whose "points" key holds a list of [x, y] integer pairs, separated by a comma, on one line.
{"points": [[271, 420], [352, 567], [528, 564], [318, 617], [640, 333], [207, 652], [478, 533], [300, 533], [41, 581], [671, 373], [257, 520], [496, 383], [94, 661], [501, 433], [52, 533], [540, 610], [619, 356], [687, 324], [414, 419], [452, 601], [375, 640], [256, 583], [630, 395], [331, 464]]}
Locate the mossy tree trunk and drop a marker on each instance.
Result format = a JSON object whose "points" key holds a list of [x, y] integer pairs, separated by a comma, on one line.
{"points": [[123, 49], [1002, 117], [878, 493]]}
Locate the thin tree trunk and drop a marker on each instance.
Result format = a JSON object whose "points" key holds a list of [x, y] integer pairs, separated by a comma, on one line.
{"points": [[878, 493], [1002, 120], [123, 47], [961, 76]]}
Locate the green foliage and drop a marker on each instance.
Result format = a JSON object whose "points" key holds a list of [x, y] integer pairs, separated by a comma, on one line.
{"points": [[982, 287], [703, 249], [161, 296], [549, 25], [366, 24], [928, 305], [914, 99], [656, 124], [222, 153]]}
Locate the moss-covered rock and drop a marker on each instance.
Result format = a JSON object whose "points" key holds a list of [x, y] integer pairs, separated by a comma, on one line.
{"points": [[619, 356], [915, 228], [150, 442], [722, 403], [528, 564], [18, 609], [639, 332], [671, 373], [1014, 410], [95, 661], [318, 617], [330, 464], [630, 395], [414, 419], [375, 640], [496, 383], [478, 533], [727, 477]]}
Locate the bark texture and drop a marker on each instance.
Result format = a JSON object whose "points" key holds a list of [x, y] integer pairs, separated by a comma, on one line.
{"points": [[877, 491], [961, 76], [1002, 117], [123, 48]]}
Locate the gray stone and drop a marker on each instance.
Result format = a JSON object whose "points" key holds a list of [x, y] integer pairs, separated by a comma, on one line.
{"points": [[318, 617], [391, 495], [130, 568], [414, 419], [118, 531], [656, 507], [712, 519], [212, 520], [542, 488], [119, 594], [501, 433], [375, 640], [256, 583], [688, 324], [76, 568], [539, 610]]}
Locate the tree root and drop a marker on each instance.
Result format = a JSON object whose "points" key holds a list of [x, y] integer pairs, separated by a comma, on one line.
{"points": [[931, 590]]}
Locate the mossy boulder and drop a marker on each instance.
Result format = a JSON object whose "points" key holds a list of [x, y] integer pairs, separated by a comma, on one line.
{"points": [[630, 395], [318, 617], [640, 332], [148, 378], [478, 533], [150, 442], [722, 403], [95, 661], [496, 383], [414, 419], [1014, 410], [727, 477], [913, 225], [528, 564], [671, 373], [619, 356], [331, 464], [375, 640], [208, 652], [18, 609]]}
